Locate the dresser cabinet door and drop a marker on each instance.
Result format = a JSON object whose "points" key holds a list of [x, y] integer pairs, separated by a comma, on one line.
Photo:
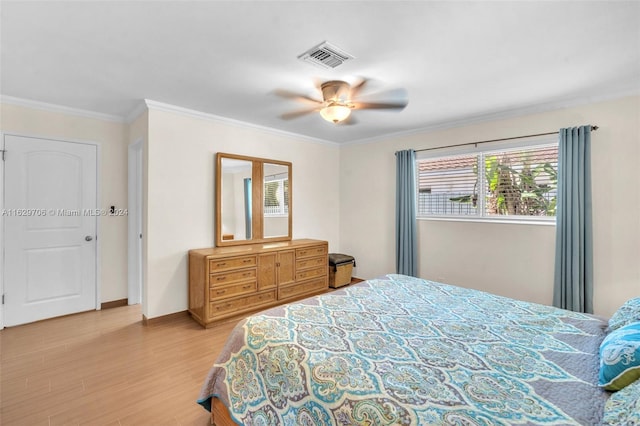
{"points": [[276, 268], [286, 267], [267, 271]]}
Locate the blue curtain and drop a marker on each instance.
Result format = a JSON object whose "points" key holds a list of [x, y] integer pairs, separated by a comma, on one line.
{"points": [[406, 234], [573, 281], [247, 208]]}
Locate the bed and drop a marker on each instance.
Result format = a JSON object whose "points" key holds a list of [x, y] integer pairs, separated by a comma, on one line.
{"points": [[399, 350]]}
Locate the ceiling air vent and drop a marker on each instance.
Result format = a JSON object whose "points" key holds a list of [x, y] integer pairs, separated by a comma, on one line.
{"points": [[326, 55]]}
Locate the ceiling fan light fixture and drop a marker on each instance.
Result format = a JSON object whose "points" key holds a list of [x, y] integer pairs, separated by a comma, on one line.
{"points": [[339, 98], [335, 113]]}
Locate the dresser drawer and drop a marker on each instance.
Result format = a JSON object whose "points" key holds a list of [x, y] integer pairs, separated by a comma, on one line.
{"points": [[319, 271], [217, 293], [311, 251], [232, 276], [216, 265], [300, 289], [241, 304], [311, 262]]}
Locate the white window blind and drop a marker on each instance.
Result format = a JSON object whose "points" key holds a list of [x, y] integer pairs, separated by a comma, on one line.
{"points": [[508, 183], [276, 195]]}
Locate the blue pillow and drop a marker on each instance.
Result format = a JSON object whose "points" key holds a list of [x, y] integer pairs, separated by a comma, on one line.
{"points": [[620, 357], [623, 408], [627, 313]]}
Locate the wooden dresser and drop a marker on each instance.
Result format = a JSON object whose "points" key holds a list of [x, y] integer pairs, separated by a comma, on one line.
{"points": [[228, 281]]}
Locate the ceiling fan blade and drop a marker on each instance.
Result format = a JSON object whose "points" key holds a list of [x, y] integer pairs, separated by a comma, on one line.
{"points": [[381, 105], [295, 96], [295, 114], [356, 88], [317, 83], [395, 95], [389, 99]]}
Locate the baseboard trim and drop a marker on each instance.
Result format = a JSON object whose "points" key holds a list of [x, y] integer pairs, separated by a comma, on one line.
{"points": [[114, 304], [164, 318]]}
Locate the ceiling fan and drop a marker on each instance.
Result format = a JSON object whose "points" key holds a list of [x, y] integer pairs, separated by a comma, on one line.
{"points": [[339, 98]]}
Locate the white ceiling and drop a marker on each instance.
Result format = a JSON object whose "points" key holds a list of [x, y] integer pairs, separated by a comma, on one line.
{"points": [[459, 61]]}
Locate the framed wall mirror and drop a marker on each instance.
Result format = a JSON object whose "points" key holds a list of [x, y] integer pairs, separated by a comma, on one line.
{"points": [[253, 200]]}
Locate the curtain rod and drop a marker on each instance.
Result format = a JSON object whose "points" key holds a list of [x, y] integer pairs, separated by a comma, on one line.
{"points": [[593, 128]]}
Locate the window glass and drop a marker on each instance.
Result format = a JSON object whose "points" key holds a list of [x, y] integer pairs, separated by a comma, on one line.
{"points": [[509, 183]]}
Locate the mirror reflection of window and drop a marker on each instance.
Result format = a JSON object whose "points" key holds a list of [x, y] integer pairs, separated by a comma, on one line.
{"points": [[276, 200], [276, 195]]}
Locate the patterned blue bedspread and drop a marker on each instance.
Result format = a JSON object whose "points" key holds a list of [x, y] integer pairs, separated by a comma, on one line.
{"points": [[404, 351]]}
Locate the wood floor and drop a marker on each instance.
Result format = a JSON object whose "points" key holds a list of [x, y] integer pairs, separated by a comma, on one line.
{"points": [[106, 368]]}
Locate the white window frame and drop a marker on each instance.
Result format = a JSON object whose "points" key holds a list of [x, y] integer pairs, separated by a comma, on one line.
{"points": [[486, 148]]}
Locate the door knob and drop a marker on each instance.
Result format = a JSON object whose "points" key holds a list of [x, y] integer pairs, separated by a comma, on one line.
{"points": [[88, 238]]}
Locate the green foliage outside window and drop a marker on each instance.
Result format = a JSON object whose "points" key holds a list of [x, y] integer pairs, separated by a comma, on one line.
{"points": [[523, 190]]}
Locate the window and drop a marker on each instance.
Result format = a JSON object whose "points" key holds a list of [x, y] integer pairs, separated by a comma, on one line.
{"points": [[276, 195], [515, 183]]}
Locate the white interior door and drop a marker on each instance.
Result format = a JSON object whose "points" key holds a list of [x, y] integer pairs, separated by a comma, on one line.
{"points": [[50, 222]]}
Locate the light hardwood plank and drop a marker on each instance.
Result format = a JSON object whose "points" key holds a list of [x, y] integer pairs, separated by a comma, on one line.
{"points": [[107, 368]]}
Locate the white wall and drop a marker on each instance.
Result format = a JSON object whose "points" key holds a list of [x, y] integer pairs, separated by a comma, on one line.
{"points": [[512, 260], [181, 158], [112, 138]]}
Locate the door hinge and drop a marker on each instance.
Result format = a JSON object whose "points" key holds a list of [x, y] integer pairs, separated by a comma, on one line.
{"points": [[3, 299], [3, 154]]}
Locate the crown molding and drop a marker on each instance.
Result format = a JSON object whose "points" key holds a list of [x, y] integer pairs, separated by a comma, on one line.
{"points": [[501, 115], [160, 106], [136, 112], [43, 106]]}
